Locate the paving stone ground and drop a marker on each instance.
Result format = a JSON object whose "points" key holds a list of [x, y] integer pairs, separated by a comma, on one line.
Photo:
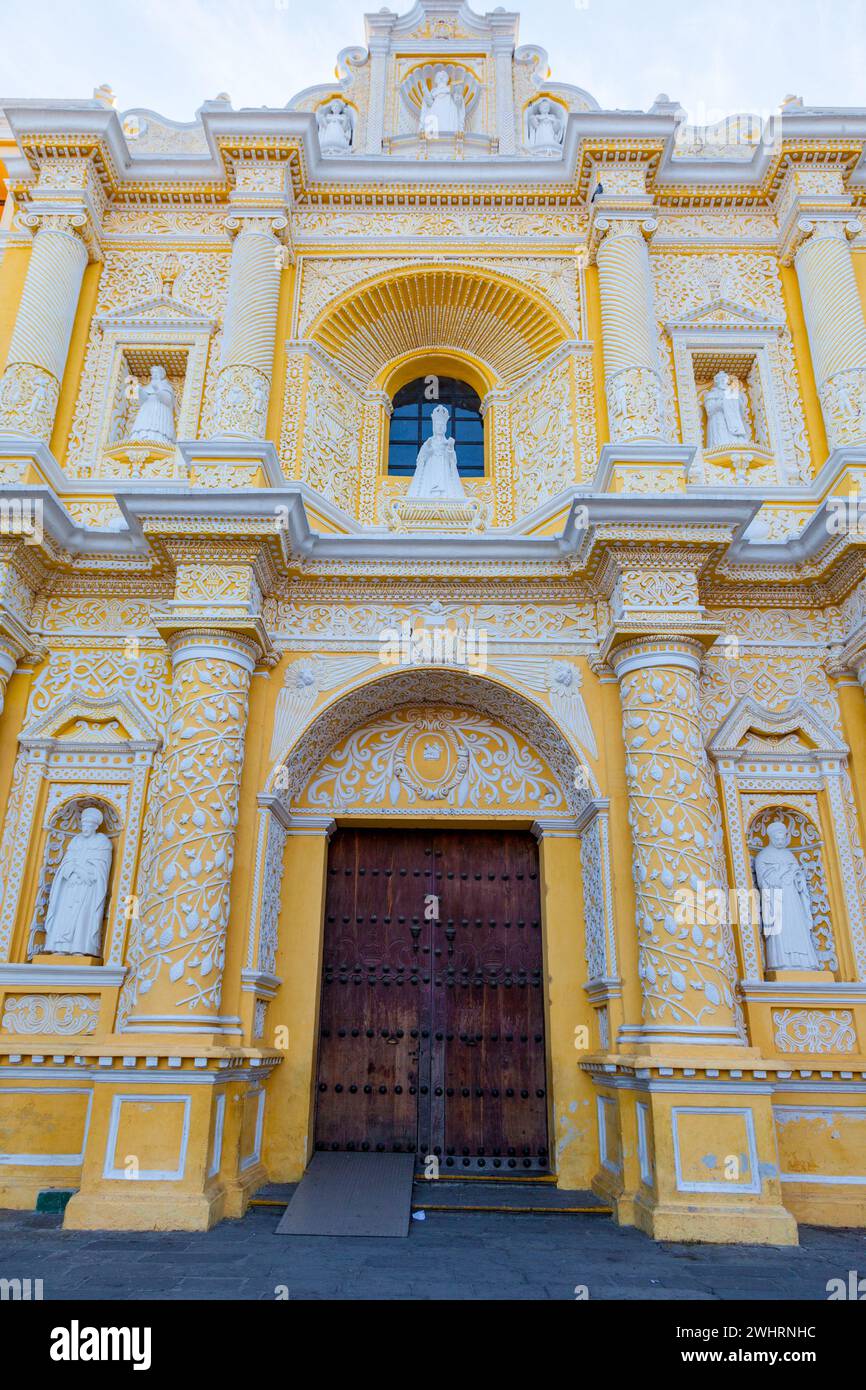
{"points": [[447, 1256]]}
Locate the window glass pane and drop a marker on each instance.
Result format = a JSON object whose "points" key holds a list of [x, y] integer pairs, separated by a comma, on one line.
{"points": [[411, 425], [404, 430]]}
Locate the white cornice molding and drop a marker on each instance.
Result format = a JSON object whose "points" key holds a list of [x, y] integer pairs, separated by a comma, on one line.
{"points": [[585, 510], [63, 976], [46, 119]]}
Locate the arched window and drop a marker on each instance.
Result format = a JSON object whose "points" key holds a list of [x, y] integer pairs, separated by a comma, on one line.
{"points": [[410, 424]]}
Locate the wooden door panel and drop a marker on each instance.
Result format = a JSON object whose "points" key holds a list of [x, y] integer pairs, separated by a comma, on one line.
{"points": [[490, 1003], [432, 1032], [371, 995]]}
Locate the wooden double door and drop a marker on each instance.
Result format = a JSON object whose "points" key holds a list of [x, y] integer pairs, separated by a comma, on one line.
{"points": [[432, 1008]]}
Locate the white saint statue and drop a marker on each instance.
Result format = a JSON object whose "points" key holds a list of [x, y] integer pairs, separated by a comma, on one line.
{"points": [[154, 420], [546, 126], [786, 904], [443, 110], [724, 407], [436, 473], [76, 903], [335, 127]]}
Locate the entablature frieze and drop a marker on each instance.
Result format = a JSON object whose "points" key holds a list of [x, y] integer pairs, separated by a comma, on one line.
{"points": [[599, 537]]}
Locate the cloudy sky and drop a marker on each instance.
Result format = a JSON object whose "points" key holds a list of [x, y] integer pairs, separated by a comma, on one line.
{"points": [[714, 56]]}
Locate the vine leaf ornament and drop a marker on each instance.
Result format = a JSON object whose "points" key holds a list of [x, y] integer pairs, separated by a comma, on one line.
{"points": [[305, 680], [561, 682]]}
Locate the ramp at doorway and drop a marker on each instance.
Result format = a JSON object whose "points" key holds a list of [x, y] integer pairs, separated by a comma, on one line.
{"points": [[352, 1194]]}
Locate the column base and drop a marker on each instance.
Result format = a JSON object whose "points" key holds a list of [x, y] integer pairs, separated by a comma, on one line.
{"points": [[137, 1211], [722, 1225]]}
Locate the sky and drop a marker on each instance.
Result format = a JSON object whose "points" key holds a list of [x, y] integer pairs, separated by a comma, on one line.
{"points": [[715, 57]]}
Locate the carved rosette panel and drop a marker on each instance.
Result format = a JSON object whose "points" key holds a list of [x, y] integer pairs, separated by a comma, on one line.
{"points": [[843, 401], [178, 954], [635, 405], [814, 1030], [66, 1014], [686, 969], [242, 401]]}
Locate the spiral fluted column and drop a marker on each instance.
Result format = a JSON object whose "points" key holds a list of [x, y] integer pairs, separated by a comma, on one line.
{"points": [[250, 328], [178, 950], [631, 359], [30, 388], [836, 327], [686, 961]]}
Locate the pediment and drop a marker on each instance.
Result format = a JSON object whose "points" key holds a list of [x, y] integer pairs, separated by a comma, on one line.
{"points": [[117, 722], [723, 313], [751, 730], [159, 311]]}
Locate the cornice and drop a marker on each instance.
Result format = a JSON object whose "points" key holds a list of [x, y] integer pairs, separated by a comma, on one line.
{"points": [[85, 129]]}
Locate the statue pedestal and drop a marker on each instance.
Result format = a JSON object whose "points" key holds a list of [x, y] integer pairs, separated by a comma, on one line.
{"points": [[131, 458], [800, 977], [58, 958], [739, 458], [436, 514]]}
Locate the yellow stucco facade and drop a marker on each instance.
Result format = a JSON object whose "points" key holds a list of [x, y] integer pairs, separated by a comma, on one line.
{"points": [[637, 632]]}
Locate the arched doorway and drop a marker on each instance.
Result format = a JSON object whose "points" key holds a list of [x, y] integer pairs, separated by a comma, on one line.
{"points": [[376, 785]]}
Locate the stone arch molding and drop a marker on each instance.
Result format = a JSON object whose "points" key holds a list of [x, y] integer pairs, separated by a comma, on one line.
{"points": [[314, 738]]}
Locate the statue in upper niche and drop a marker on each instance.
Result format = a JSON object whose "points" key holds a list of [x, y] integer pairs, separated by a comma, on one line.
{"points": [[436, 473], [546, 126], [443, 110], [154, 420], [335, 127], [724, 406]]}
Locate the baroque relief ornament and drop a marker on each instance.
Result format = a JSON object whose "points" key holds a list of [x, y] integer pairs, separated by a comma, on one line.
{"points": [[687, 968], [419, 757]]}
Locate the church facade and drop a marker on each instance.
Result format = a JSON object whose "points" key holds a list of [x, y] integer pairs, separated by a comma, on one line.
{"points": [[433, 643]]}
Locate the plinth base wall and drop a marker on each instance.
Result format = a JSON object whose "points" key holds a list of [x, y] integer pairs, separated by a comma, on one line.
{"points": [[156, 1143], [821, 1136], [689, 1156]]}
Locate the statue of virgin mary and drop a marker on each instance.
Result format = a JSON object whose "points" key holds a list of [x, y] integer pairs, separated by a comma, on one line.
{"points": [[436, 473]]}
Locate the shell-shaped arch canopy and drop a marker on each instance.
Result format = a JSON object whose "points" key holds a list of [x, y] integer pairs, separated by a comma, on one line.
{"points": [[497, 320]]}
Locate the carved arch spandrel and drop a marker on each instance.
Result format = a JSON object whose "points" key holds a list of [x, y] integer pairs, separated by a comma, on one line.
{"points": [[435, 685]]}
